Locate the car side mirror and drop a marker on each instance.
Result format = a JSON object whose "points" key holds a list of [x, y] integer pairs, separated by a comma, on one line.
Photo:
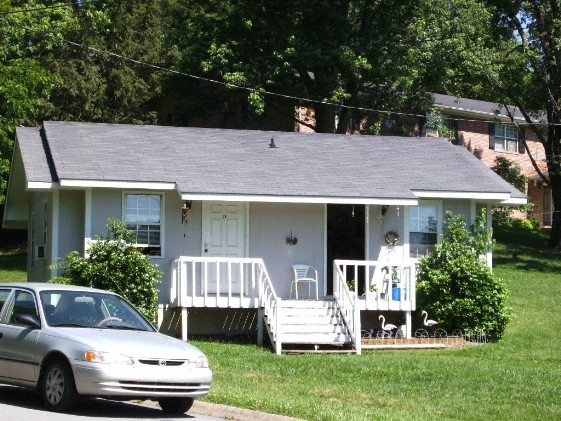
{"points": [[29, 321]]}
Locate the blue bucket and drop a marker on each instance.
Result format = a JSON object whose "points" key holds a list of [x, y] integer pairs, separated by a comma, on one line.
{"points": [[396, 294]]}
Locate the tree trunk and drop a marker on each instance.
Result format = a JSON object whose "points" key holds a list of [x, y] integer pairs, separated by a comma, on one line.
{"points": [[325, 118], [555, 234]]}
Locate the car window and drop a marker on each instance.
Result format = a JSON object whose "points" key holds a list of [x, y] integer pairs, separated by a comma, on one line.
{"points": [[90, 309], [4, 293], [23, 303]]}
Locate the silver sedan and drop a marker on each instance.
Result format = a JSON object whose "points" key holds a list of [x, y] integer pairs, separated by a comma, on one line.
{"points": [[67, 341]]}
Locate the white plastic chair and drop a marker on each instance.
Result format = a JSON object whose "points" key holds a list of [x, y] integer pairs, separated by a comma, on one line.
{"points": [[301, 274]]}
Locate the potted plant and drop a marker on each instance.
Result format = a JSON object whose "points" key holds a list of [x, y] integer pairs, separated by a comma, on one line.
{"points": [[351, 285]]}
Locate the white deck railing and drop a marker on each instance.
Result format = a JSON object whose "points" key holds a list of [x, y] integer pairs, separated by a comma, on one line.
{"points": [[227, 283], [347, 305], [385, 286], [393, 289]]}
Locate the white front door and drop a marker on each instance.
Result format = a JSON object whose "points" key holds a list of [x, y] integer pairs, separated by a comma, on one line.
{"points": [[224, 233]]}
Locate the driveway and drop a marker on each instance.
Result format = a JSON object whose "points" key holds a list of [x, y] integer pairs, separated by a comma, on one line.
{"points": [[21, 404]]}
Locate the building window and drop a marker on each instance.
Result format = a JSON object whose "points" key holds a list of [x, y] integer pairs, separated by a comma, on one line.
{"points": [[435, 125], [506, 137], [143, 216], [423, 229]]}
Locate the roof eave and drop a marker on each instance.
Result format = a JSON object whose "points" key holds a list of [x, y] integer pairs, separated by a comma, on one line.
{"points": [[140, 185], [300, 199]]}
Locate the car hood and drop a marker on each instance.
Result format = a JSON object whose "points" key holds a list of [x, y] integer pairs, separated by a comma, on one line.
{"points": [[132, 343]]}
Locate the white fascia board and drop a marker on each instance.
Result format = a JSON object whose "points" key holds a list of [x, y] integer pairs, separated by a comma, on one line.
{"points": [[515, 202], [474, 113], [300, 199], [462, 195], [139, 185], [41, 185]]}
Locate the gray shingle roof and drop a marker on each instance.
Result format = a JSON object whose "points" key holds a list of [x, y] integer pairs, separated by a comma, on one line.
{"points": [[487, 110], [239, 162]]}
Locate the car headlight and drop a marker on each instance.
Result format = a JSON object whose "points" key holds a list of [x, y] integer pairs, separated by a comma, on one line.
{"points": [[107, 358], [202, 362]]}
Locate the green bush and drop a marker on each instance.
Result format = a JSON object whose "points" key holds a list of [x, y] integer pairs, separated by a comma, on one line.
{"points": [[455, 284], [114, 264], [532, 223]]}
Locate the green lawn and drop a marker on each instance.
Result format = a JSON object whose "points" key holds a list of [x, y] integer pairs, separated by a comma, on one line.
{"points": [[518, 378], [12, 266]]}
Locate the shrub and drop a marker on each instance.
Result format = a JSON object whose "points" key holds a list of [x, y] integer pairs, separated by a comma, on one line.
{"points": [[457, 286], [511, 172], [114, 264]]}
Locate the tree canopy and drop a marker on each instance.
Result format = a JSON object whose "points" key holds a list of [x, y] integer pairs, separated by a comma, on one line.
{"points": [[136, 61]]}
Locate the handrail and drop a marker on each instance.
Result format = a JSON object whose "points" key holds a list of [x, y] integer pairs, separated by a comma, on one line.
{"points": [[271, 304], [347, 306]]}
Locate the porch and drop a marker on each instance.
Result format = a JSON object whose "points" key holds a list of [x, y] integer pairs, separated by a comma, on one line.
{"points": [[244, 283]]}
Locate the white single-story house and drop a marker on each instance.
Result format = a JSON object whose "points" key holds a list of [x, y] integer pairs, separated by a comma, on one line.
{"points": [[226, 214]]}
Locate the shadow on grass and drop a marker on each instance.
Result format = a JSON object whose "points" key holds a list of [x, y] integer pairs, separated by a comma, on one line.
{"points": [[13, 261], [526, 250]]}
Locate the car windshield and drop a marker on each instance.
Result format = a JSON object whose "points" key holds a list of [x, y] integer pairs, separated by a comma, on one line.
{"points": [[90, 309]]}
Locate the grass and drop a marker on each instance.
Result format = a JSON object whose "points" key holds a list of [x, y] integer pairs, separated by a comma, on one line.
{"points": [[516, 378], [12, 266]]}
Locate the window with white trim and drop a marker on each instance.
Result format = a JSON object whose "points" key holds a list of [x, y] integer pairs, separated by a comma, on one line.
{"points": [[143, 216], [506, 137], [435, 125], [423, 229]]}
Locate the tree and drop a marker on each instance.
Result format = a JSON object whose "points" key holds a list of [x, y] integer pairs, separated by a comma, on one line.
{"points": [[113, 263], [374, 54], [24, 83], [527, 74], [73, 61], [457, 286], [98, 79], [511, 172]]}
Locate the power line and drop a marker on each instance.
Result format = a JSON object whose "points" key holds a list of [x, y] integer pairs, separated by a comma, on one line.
{"points": [[57, 6], [256, 90]]}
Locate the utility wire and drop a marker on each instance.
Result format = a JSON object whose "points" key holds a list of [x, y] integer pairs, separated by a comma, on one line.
{"points": [[256, 90], [55, 6]]}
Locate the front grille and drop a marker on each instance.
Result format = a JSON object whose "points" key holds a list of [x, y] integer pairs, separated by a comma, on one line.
{"points": [[168, 363], [161, 387]]}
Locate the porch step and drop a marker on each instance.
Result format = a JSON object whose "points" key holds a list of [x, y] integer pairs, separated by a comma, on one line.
{"points": [[312, 322], [315, 338]]}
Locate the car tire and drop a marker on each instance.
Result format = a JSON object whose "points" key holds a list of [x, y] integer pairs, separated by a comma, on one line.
{"points": [[176, 405], [58, 389]]}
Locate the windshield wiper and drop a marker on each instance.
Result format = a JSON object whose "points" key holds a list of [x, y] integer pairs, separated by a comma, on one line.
{"points": [[70, 325], [123, 327]]}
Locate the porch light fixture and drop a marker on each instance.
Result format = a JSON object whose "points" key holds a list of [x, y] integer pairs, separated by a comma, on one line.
{"points": [[185, 211], [291, 241], [384, 209]]}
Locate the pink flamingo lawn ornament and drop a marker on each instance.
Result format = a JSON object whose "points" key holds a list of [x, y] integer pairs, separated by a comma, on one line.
{"points": [[387, 328], [428, 323]]}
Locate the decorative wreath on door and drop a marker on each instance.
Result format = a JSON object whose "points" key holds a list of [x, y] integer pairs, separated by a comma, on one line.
{"points": [[392, 239]]}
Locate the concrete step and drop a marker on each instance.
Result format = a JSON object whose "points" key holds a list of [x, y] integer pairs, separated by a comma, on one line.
{"points": [[311, 329], [311, 319], [308, 312], [315, 338], [308, 303]]}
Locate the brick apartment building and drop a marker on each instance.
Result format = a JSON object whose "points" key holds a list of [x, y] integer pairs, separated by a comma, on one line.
{"points": [[487, 132]]}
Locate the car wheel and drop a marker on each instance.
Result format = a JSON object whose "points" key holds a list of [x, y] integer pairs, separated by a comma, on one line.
{"points": [[58, 389], [176, 405]]}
